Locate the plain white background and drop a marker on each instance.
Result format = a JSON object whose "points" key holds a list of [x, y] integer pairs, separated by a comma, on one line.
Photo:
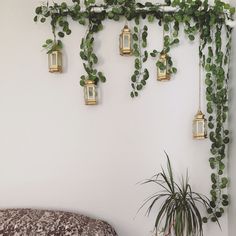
{"points": [[57, 153]]}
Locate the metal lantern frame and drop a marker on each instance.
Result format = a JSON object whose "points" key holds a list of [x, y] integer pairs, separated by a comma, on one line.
{"points": [[90, 92], [199, 126], [126, 42], [163, 74], [55, 61]]}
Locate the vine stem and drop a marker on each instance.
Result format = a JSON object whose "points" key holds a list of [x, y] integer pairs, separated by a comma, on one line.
{"points": [[200, 78]]}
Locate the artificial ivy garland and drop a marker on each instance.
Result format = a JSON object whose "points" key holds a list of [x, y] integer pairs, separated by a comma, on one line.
{"points": [[197, 17]]}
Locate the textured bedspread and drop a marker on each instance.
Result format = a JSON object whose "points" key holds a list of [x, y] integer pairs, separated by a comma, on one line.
{"points": [[31, 222]]}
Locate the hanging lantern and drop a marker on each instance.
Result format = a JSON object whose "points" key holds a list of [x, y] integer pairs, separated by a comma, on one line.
{"points": [[90, 92], [199, 122], [126, 42], [199, 126], [55, 61], [163, 73]]}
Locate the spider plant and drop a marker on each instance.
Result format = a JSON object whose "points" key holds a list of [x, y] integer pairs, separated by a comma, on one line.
{"points": [[179, 214]]}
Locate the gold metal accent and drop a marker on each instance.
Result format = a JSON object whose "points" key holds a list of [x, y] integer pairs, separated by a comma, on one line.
{"points": [[199, 126], [163, 75], [90, 92], [126, 42], [55, 62]]}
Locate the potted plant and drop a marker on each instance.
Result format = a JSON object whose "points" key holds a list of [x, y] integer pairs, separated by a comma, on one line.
{"points": [[179, 214]]}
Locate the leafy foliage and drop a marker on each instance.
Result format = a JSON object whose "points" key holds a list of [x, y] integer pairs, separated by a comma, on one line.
{"points": [[179, 213], [90, 59], [140, 75], [198, 17], [51, 45]]}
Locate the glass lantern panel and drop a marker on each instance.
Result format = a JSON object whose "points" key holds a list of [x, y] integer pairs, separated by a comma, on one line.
{"points": [[91, 92], [54, 58], [126, 41], [59, 59], [87, 92], [200, 127], [194, 128]]}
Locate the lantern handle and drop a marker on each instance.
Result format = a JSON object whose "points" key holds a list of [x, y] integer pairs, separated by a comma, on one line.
{"points": [[126, 21]]}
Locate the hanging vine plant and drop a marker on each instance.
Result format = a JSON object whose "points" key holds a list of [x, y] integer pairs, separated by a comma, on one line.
{"points": [[141, 74], [87, 54], [199, 20]]}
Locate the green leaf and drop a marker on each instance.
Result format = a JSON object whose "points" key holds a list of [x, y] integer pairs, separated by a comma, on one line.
{"points": [[49, 41], [143, 82], [82, 21], [139, 86], [110, 15], [103, 79], [136, 53], [95, 59], [133, 78], [174, 70], [135, 37], [226, 140], [83, 56], [152, 54], [82, 83], [151, 18], [232, 10], [116, 10], [176, 41], [61, 34], [43, 19], [63, 5], [210, 125], [225, 203], [38, 10], [166, 27], [191, 37]]}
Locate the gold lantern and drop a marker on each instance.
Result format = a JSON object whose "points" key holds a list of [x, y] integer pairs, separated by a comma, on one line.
{"points": [[199, 121], [163, 73], [55, 61], [90, 92], [199, 126], [126, 42]]}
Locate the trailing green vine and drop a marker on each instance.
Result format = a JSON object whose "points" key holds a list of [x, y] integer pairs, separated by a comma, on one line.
{"points": [[217, 75], [90, 59], [199, 18], [170, 39], [140, 75]]}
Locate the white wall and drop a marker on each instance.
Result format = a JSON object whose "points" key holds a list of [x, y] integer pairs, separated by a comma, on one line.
{"points": [[58, 153]]}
